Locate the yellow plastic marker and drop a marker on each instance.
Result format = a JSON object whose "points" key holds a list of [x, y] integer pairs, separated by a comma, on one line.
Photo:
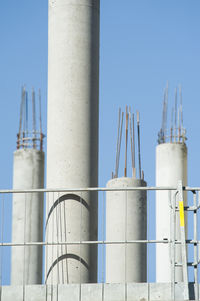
{"points": [[182, 219]]}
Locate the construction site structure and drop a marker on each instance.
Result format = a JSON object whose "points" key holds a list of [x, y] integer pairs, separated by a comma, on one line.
{"points": [[126, 220], [72, 138], [171, 167], [126, 212], [27, 209]]}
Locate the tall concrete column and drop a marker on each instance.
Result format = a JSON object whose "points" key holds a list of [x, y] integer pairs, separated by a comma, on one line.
{"points": [[126, 219], [72, 138], [27, 217], [171, 167]]}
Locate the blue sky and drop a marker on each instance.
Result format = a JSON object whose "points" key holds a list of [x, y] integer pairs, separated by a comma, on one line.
{"points": [[144, 43]]}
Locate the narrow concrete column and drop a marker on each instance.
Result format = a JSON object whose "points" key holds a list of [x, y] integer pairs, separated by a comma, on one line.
{"points": [[27, 217], [126, 219], [171, 166], [72, 138]]}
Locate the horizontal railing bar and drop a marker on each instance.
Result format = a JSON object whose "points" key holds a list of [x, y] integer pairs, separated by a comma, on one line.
{"points": [[84, 189], [96, 189], [190, 264], [189, 208], [81, 242], [99, 242]]}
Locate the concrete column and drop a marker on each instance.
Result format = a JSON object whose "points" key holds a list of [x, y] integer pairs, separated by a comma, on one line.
{"points": [[126, 219], [27, 217], [171, 166], [72, 144]]}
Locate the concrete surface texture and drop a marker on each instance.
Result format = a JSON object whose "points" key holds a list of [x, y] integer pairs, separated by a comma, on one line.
{"points": [[72, 136], [96, 292], [126, 219], [27, 217], [171, 167]]}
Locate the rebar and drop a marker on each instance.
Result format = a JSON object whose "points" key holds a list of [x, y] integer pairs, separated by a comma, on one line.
{"points": [[132, 143], [118, 139], [29, 138], [126, 143], [139, 154]]}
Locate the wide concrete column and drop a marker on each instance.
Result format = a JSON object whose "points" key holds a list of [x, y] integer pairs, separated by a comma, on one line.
{"points": [[27, 217], [171, 167], [126, 219], [72, 138]]}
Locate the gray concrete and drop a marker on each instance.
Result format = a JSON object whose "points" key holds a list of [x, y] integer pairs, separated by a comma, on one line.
{"points": [[96, 292], [171, 166], [27, 217], [126, 219], [72, 136]]}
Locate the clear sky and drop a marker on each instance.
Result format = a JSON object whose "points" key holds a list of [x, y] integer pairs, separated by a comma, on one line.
{"points": [[144, 44]]}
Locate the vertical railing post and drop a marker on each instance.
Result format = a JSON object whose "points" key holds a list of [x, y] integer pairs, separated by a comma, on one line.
{"points": [[183, 240], [195, 247], [173, 237]]}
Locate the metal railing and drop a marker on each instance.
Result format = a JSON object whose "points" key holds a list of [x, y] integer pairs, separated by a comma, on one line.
{"points": [[175, 193]]}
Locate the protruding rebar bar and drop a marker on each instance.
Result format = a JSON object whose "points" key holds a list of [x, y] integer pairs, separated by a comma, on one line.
{"points": [[41, 134], [139, 155], [21, 110], [26, 114], [179, 124], [181, 112], [162, 132], [131, 139], [118, 139], [134, 171], [171, 129], [175, 116], [166, 107], [126, 143], [142, 174], [33, 119], [40, 113], [20, 118]]}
